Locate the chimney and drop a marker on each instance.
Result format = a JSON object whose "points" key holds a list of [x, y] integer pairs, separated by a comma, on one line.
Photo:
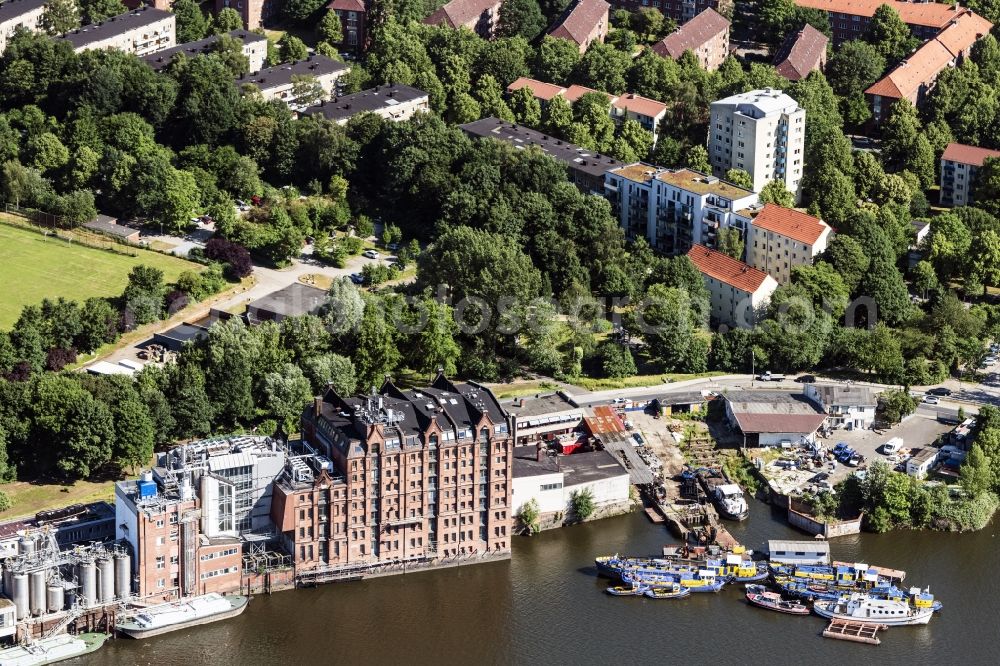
{"points": [[539, 454], [317, 406]]}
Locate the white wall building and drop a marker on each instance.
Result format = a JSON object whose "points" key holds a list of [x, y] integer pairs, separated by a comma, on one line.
{"points": [[254, 48], [16, 14], [552, 480], [850, 407], [141, 31], [280, 82], [921, 462], [676, 208], [738, 293], [761, 132], [782, 238], [815, 552], [544, 417]]}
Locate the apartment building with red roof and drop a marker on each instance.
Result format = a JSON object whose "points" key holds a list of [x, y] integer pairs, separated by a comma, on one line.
{"points": [[737, 291], [915, 76], [779, 239], [706, 35], [479, 16], [849, 19], [801, 53], [583, 22], [960, 166]]}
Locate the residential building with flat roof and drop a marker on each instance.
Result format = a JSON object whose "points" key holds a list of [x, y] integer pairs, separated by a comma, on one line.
{"points": [[706, 35], [782, 238], [394, 102], [738, 292], [544, 417], [960, 165], [583, 22], [16, 14], [761, 132], [551, 481], [479, 16], [254, 48], [676, 208], [915, 76], [585, 167], [423, 474], [279, 82], [141, 32], [353, 16], [801, 53], [849, 19]]}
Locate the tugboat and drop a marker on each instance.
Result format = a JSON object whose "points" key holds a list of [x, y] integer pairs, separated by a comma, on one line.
{"points": [[164, 618], [758, 595], [862, 608], [729, 501]]}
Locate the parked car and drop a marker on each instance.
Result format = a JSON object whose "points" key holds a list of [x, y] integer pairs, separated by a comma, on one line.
{"points": [[392, 246], [932, 399], [357, 278], [806, 379], [371, 254], [940, 391]]}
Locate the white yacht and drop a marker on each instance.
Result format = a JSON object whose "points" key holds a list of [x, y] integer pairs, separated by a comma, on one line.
{"points": [[728, 499], [175, 615], [862, 608]]}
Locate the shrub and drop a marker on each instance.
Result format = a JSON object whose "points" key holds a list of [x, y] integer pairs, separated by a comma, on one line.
{"points": [[528, 516], [5, 502], [582, 502]]}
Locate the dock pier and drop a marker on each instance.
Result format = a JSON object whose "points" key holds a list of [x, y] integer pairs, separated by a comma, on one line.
{"points": [[857, 632]]}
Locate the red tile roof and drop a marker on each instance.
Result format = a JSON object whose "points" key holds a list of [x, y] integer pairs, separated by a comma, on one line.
{"points": [[460, 12], [974, 155], [930, 14], [540, 89], [575, 92], [963, 32], [692, 35], [801, 53], [580, 20], [798, 226], [640, 105], [920, 69], [725, 269], [348, 5]]}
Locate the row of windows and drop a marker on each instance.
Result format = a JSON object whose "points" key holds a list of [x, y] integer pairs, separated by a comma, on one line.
{"points": [[219, 572], [220, 553]]}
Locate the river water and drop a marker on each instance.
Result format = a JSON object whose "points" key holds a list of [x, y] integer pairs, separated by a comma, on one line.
{"points": [[546, 606]]}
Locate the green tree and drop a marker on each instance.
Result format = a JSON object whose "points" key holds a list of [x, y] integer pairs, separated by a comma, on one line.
{"points": [[59, 17], [286, 392], [740, 178], [669, 326], [330, 28], [854, 66], [924, 277], [731, 243], [528, 516], [291, 48], [775, 192], [143, 296], [68, 420], [616, 360], [6, 503], [894, 404], [557, 58], [604, 68], [648, 23], [47, 152], [490, 96], [525, 107], [436, 346], [332, 369], [582, 503], [521, 17], [697, 158], [377, 351], [93, 11], [303, 10], [889, 35], [192, 24], [344, 307], [190, 404], [227, 20], [977, 472], [558, 116]]}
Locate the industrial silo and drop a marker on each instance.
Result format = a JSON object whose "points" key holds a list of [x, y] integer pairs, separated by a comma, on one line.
{"points": [[56, 595], [37, 592], [87, 573], [26, 546], [123, 575], [20, 586], [106, 579], [8, 582]]}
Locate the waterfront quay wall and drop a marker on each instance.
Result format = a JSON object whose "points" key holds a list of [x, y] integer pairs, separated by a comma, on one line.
{"points": [[556, 519], [799, 518]]}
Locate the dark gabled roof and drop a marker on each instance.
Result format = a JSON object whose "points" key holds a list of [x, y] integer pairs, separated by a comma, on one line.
{"points": [[281, 75], [116, 25], [293, 300], [161, 59]]}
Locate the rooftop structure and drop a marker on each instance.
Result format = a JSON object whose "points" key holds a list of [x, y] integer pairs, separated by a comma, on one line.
{"points": [[395, 102], [254, 48], [141, 31], [544, 417], [291, 301], [706, 35], [801, 53], [583, 22], [586, 167]]}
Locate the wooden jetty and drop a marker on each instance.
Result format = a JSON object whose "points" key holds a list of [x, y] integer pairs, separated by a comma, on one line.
{"points": [[858, 632], [655, 515]]}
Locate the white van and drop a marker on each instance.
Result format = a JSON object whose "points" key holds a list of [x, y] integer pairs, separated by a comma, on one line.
{"points": [[892, 446]]}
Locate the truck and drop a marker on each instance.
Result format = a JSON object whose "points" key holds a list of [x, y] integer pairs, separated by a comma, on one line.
{"points": [[771, 377]]}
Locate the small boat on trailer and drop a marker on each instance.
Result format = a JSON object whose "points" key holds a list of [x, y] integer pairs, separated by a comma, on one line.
{"points": [[675, 591], [760, 596]]}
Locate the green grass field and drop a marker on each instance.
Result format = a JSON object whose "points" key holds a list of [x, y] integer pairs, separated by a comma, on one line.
{"points": [[33, 267]]}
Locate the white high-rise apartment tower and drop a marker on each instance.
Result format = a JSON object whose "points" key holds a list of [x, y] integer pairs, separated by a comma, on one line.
{"points": [[761, 132]]}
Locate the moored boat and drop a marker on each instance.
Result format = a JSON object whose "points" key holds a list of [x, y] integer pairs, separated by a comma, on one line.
{"points": [[674, 591], [758, 595], [703, 581], [51, 650], [858, 607], [627, 590], [164, 618], [729, 502]]}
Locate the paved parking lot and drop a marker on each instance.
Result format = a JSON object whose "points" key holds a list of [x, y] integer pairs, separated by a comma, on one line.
{"points": [[917, 430]]}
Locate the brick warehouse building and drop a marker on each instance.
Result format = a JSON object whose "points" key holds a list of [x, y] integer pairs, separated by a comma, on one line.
{"points": [[415, 475]]}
